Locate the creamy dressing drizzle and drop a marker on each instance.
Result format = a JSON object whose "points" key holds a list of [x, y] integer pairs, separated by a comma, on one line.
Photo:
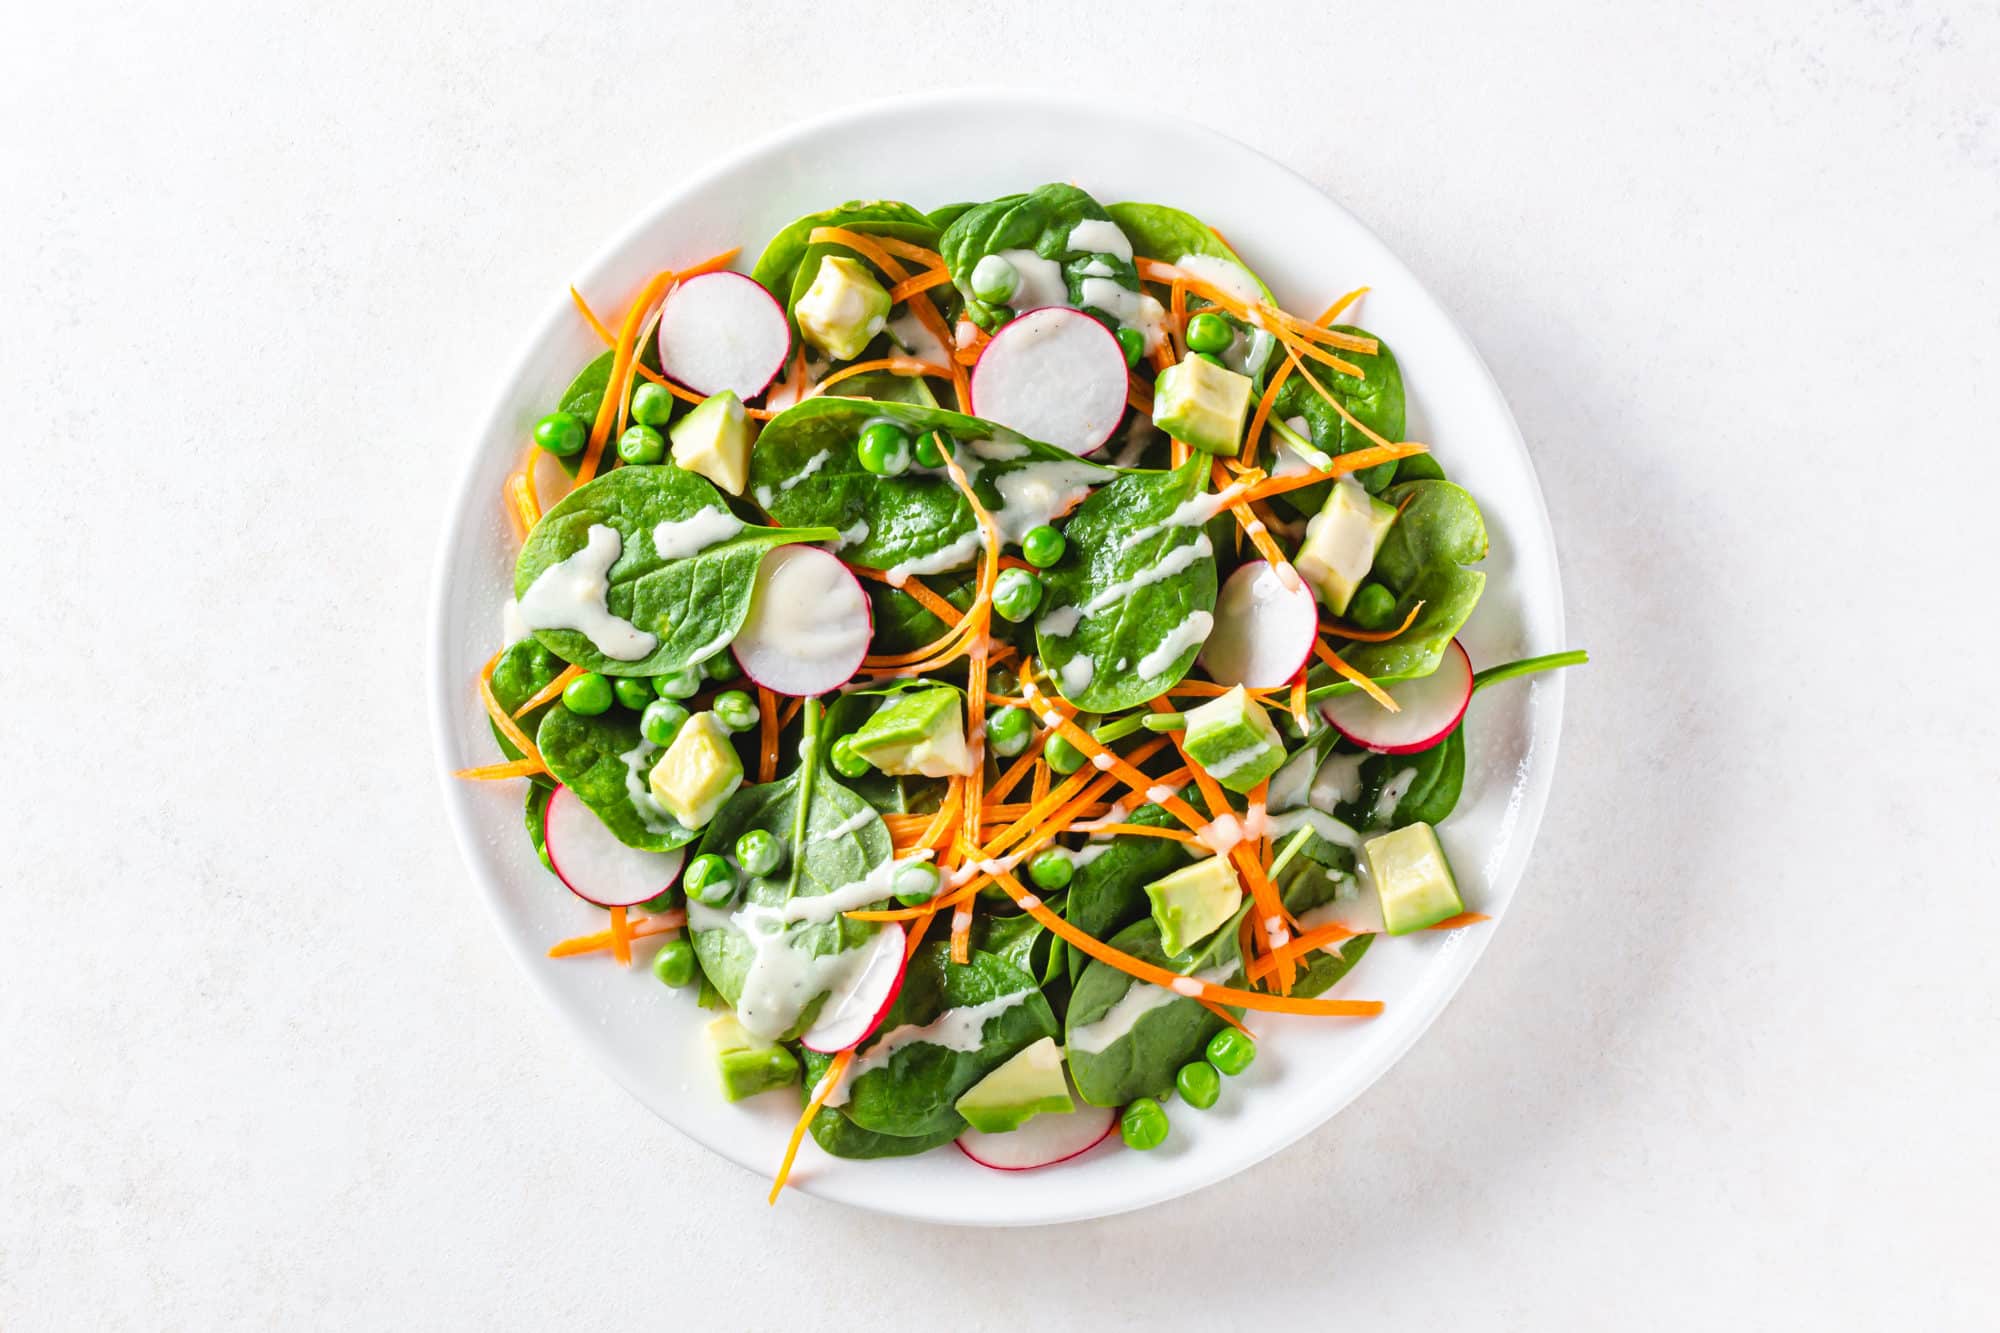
{"points": [[1041, 281], [962, 1029], [1100, 236], [650, 812], [1077, 673], [1139, 999], [1190, 633], [1337, 783], [853, 535], [951, 556], [1063, 620], [1392, 794], [1189, 513], [570, 595], [676, 539], [1319, 821], [513, 629], [915, 338], [1231, 277]]}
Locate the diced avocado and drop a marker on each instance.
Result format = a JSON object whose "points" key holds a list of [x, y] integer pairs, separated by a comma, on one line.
{"points": [[749, 1064], [1233, 739], [1190, 903], [1027, 1085], [698, 772], [1412, 878], [714, 440], [1341, 542], [918, 732], [1203, 404], [843, 308]]}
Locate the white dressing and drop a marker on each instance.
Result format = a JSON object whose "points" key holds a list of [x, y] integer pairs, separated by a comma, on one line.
{"points": [[637, 768], [962, 1029], [952, 555], [513, 629], [1338, 782], [1063, 620], [1100, 236], [1076, 674], [1190, 633], [1189, 513], [1234, 280], [570, 595], [1041, 281], [676, 539], [1132, 309], [1392, 794], [1139, 999]]}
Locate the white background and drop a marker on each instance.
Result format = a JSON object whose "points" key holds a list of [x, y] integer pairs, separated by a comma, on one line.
{"points": [[1735, 1059]]}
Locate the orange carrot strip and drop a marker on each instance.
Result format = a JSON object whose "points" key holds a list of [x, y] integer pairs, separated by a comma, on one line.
{"points": [[1177, 327], [513, 768], [1145, 831], [1342, 465], [1263, 412], [767, 735], [1319, 938], [922, 282], [911, 251], [621, 938], [662, 924], [895, 365], [1461, 920], [830, 1080], [869, 248], [550, 690], [1367, 686], [792, 710], [590, 317], [624, 355], [508, 727], [1333, 311], [1372, 635], [1138, 394], [1296, 703]]}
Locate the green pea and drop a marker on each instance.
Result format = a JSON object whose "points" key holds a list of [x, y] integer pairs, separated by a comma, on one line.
{"points": [[652, 405], [635, 692], [847, 761], [682, 684], [1133, 344], [1016, 594], [917, 884], [588, 695], [719, 667], [883, 449], [1143, 1125], [674, 963], [708, 880], [1051, 869], [1009, 731], [561, 434], [735, 710], [758, 852], [662, 721], [641, 445], [1043, 546], [1231, 1051], [1373, 607], [929, 454], [995, 280], [1199, 1084], [1211, 358], [1063, 757], [1209, 333]]}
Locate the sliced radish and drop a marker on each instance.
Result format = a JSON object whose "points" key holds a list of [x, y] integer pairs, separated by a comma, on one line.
{"points": [[724, 331], [1051, 1137], [1263, 631], [850, 1016], [808, 626], [595, 865], [1432, 706], [1056, 375]]}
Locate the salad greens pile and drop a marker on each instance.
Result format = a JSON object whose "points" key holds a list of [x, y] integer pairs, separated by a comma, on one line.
{"points": [[984, 655]]}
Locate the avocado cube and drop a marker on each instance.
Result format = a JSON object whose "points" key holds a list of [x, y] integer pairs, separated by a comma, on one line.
{"points": [[1412, 878], [1027, 1085], [698, 772], [1341, 542], [843, 308], [749, 1064], [1232, 738], [918, 732], [1191, 902], [1202, 404], [714, 440]]}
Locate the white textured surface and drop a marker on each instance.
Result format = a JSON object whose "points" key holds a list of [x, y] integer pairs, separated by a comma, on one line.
{"points": [[1733, 1060]]}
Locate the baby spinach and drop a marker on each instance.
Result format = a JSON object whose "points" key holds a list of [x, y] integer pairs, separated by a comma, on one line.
{"points": [[1423, 560], [1128, 581], [694, 605], [1167, 234], [536, 817], [586, 393], [1020, 941], [788, 251], [1376, 400], [604, 760], [804, 470], [1040, 220], [1142, 1061], [1108, 891], [841, 1137], [523, 669], [902, 623], [912, 1095]]}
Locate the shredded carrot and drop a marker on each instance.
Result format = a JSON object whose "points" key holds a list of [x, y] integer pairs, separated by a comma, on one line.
{"points": [[1039, 790], [521, 494], [829, 1081], [1263, 412], [624, 355], [1138, 395], [911, 251], [1333, 311], [664, 923], [1366, 686], [590, 316], [1021, 767], [1177, 327], [1372, 635], [550, 690], [513, 768], [1461, 920], [1343, 464], [1287, 328], [507, 725], [1298, 947], [895, 365], [869, 248], [792, 709], [1146, 831], [1209, 689], [1296, 703], [621, 938], [922, 282], [1333, 399], [767, 735]]}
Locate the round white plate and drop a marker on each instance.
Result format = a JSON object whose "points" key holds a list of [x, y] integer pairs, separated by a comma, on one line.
{"points": [[932, 151]]}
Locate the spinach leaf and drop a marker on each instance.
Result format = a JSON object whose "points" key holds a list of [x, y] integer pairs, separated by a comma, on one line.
{"points": [[1015, 940], [841, 1137], [943, 217], [1440, 532], [804, 470], [834, 839], [902, 623], [786, 254], [1141, 1060], [1108, 891], [1167, 234], [1040, 220], [604, 760], [520, 673], [536, 817], [1127, 593], [694, 605], [1376, 400], [586, 392], [912, 1095]]}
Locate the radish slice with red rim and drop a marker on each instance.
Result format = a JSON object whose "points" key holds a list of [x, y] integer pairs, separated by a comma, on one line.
{"points": [[1056, 375], [808, 626], [597, 867], [1051, 1137], [1263, 631], [1431, 706], [850, 1016], [723, 331]]}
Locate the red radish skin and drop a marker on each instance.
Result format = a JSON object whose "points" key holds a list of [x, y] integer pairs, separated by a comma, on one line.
{"points": [[1432, 706], [845, 1021], [723, 331], [594, 865], [1056, 375], [809, 624], [1263, 631], [1047, 1139]]}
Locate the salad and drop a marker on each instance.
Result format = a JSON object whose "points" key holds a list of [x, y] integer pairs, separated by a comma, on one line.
{"points": [[989, 657]]}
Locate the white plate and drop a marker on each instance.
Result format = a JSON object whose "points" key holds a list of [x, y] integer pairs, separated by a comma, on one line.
{"points": [[932, 151]]}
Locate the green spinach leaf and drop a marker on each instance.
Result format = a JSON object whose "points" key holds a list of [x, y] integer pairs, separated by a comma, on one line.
{"points": [[605, 761], [694, 605], [1168, 235], [520, 673], [536, 817], [841, 1137], [787, 252], [1130, 603], [1041, 221], [1137, 1057], [1376, 400], [1440, 532]]}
